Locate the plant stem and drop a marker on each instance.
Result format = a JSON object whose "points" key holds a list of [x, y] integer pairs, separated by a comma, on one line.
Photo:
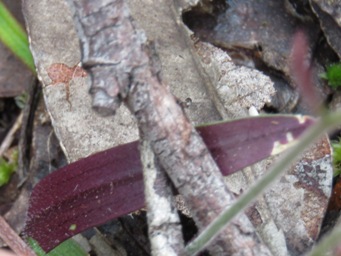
{"points": [[326, 122], [12, 239]]}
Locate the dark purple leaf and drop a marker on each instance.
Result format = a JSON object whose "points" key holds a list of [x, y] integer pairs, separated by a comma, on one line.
{"points": [[109, 184], [240, 143]]}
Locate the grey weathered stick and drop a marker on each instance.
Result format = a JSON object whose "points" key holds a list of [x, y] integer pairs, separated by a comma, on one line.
{"points": [[122, 67], [164, 226]]}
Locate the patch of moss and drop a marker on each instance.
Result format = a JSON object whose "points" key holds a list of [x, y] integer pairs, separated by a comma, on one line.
{"points": [[333, 75], [7, 168]]}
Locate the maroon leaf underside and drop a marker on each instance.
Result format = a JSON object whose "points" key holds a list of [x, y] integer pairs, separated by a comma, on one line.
{"points": [[109, 184]]}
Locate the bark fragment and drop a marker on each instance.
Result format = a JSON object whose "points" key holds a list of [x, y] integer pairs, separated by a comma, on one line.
{"points": [[163, 220]]}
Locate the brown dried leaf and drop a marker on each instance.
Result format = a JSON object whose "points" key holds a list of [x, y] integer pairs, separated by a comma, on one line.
{"points": [[264, 28], [307, 188], [238, 88], [295, 205]]}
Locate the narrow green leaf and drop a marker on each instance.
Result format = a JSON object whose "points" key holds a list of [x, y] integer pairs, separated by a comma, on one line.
{"points": [[337, 157], [14, 37], [68, 247]]}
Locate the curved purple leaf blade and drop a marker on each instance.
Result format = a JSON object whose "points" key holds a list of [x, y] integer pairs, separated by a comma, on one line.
{"points": [[84, 194], [243, 142], [109, 184]]}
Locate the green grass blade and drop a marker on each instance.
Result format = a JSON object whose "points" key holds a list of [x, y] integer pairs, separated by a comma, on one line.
{"points": [[14, 37], [68, 247]]}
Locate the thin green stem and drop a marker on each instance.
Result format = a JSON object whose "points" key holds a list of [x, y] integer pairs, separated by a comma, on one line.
{"points": [[325, 123], [14, 37]]}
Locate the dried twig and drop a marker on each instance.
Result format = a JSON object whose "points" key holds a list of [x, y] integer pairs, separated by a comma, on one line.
{"points": [[12, 239], [123, 67], [163, 220], [6, 143]]}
